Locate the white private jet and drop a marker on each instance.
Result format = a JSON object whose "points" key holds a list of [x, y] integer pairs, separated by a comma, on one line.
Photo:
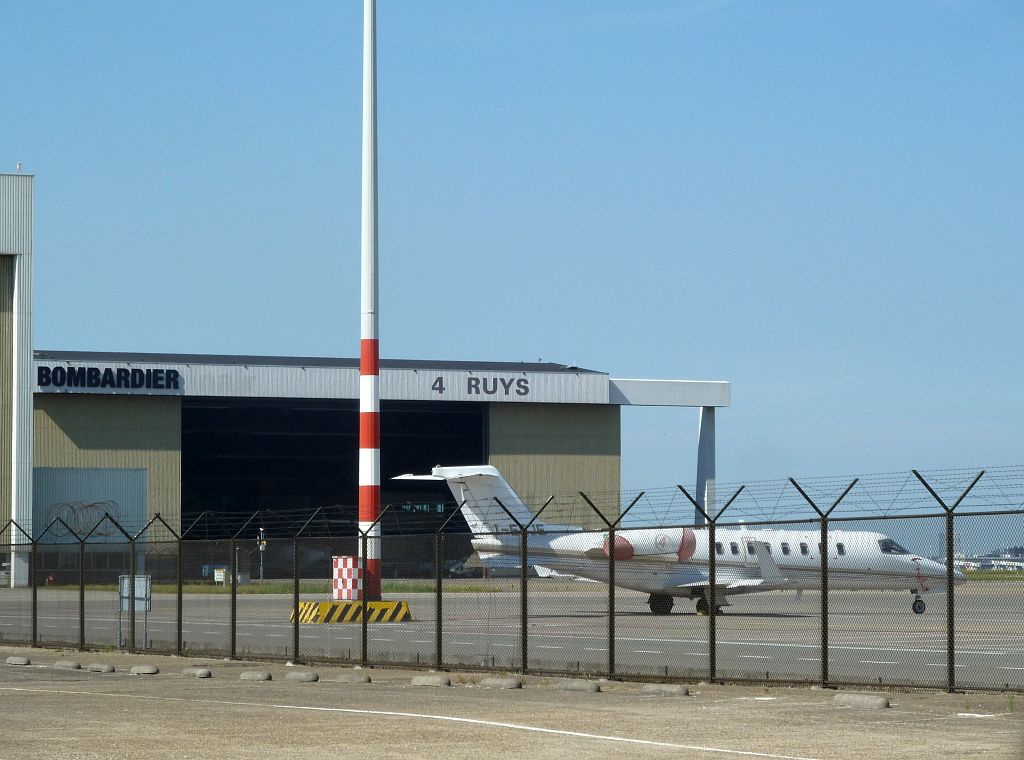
{"points": [[673, 562]]}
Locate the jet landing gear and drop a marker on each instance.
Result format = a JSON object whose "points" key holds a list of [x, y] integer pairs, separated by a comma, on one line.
{"points": [[918, 605], [660, 604], [703, 608]]}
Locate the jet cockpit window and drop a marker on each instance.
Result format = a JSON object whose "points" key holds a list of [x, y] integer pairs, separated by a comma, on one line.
{"points": [[888, 546], [734, 547], [785, 549], [719, 549], [750, 548], [804, 550], [841, 548]]}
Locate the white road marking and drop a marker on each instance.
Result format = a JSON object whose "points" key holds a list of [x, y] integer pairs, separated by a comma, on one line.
{"points": [[428, 716], [1008, 668], [976, 715], [645, 651], [754, 656], [541, 646], [879, 662]]}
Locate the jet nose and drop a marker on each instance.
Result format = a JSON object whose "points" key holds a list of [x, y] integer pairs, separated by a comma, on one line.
{"points": [[958, 577]]}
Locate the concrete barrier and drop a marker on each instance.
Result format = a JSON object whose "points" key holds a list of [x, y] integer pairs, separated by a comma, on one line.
{"points": [[302, 676], [574, 685], [502, 683], [431, 681], [665, 689], [14, 660], [197, 672], [99, 667], [254, 675], [144, 670], [855, 699], [67, 665]]}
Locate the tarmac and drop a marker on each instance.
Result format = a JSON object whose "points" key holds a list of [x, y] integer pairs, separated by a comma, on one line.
{"points": [[55, 712]]}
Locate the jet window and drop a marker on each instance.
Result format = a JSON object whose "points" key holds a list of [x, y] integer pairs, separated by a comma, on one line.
{"points": [[804, 550], [841, 549], [734, 547], [888, 546], [719, 549], [768, 547], [785, 549], [750, 548]]}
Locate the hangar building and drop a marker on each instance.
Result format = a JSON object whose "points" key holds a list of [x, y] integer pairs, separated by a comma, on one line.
{"points": [[179, 434]]}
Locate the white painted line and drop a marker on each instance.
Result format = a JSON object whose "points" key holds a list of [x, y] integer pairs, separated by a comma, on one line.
{"points": [[942, 665], [754, 657], [1008, 668], [879, 662], [541, 646], [595, 649], [427, 716], [976, 715], [645, 651]]}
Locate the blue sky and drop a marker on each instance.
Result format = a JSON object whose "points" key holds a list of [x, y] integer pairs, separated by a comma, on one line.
{"points": [[821, 202]]}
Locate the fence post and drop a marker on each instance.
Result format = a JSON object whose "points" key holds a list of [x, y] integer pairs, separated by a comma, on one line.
{"points": [[950, 593], [712, 601], [365, 655], [234, 598], [33, 560], [132, 566], [180, 607], [438, 574], [611, 601], [823, 552], [81, 594], [523, 605], [295, 599], [712, 594], [611, 569]]}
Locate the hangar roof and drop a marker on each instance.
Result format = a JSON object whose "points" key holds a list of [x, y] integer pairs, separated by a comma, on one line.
{"points": [[215, 375], [300, 361]]}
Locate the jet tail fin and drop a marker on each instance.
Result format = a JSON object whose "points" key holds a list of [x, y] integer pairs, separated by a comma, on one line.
{"points": [[479, 489]]}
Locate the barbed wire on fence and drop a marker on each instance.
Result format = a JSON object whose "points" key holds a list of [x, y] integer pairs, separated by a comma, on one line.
{"points": [[873, 496]]}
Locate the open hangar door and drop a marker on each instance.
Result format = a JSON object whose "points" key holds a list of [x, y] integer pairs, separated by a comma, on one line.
{"points": [[291, 456]]}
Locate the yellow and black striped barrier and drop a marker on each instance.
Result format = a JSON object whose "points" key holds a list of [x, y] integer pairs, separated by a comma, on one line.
{"points": [[352, 612]]}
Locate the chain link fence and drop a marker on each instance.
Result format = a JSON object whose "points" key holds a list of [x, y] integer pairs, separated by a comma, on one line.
{"points": [[884, 580]]}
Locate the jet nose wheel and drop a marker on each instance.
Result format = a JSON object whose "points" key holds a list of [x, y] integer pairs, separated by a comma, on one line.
{"points": [[918, 606], [660, 604]]}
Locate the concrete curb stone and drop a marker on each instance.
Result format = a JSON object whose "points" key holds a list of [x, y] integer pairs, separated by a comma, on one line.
{"points": [[255, 675]]}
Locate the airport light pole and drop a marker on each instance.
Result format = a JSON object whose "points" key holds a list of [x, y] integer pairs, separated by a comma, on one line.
{"points": [[369, 351]]}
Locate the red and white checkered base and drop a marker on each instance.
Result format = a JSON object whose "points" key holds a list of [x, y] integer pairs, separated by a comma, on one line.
{"points": [[348, 579]]}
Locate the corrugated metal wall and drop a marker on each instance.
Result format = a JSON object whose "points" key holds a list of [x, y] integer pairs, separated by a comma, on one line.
{"points": [[6, 385], [558, 450], [115, 431]]}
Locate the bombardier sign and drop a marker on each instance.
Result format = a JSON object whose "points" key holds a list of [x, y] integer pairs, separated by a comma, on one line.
{"points": [[107, 379]]}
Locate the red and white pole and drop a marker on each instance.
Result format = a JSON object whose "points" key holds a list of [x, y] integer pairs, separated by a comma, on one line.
{"points": [[369, 351]]}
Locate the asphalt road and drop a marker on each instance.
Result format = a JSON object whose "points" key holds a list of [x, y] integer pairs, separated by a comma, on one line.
{"points": [[874, 637], [80, 715]]}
